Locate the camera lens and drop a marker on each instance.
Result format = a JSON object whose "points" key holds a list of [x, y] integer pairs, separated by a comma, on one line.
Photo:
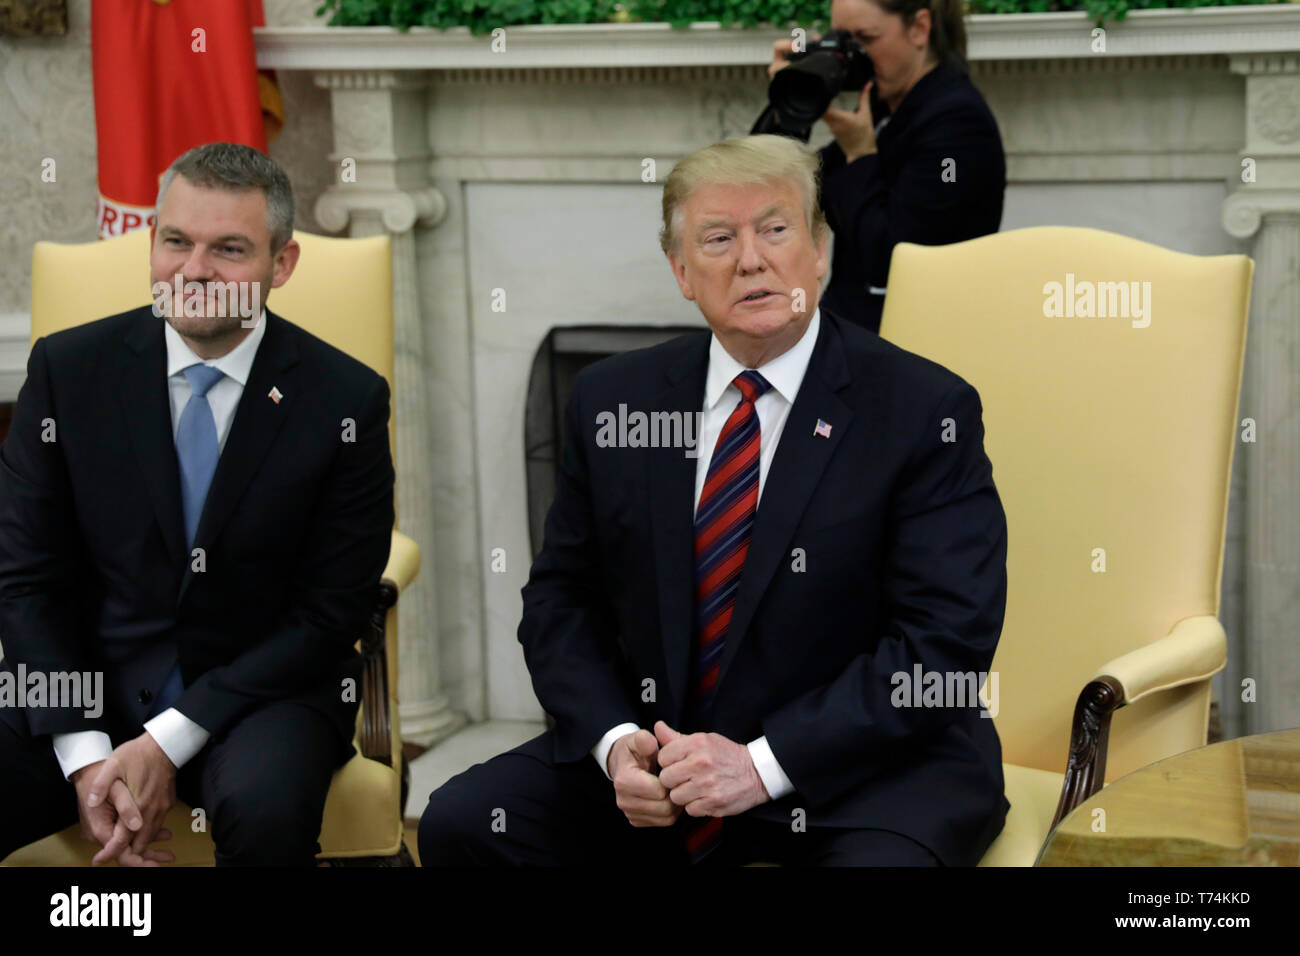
{"points": [[802, 91]]}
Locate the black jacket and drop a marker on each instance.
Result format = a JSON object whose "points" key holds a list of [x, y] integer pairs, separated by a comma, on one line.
{"points": [[908, 191], [296, 529], [903, 545]]}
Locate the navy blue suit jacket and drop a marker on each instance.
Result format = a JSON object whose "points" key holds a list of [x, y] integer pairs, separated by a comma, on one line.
{"points": [[903, 543], [296, 528]]}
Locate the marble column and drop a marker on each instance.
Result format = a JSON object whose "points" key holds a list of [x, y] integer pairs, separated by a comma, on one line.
{"points": [[1265, 210], [381, 186]]}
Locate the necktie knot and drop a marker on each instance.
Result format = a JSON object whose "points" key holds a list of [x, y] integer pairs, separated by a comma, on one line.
{"points": [[751, 384], [202, 378]]}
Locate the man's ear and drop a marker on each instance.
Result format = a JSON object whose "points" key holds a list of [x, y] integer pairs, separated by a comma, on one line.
{"points": [[679, 273], [286, 260]]}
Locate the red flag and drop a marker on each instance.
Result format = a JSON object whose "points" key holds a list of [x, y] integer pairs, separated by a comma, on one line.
{"points": [[171, 75]]}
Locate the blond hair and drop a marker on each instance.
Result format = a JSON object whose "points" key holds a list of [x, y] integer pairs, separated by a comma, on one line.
{"points": [[765, 158]]}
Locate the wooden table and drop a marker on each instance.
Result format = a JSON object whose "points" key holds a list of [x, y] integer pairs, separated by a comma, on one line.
{"points": [[1234, 803]]}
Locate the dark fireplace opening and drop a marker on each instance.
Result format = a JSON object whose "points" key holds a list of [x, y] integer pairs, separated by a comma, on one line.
{"points": [[566, 351]]}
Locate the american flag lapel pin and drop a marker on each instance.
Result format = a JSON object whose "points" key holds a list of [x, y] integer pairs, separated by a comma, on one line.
{"points": [[275, 395], [822, 430]]}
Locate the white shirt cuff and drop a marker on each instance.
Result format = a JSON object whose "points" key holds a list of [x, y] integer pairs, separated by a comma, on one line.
{"points": [[602, 749], [179, 737], [81, 748], [769, 771]]}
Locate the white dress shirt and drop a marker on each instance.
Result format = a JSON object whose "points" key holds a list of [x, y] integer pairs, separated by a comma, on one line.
{"points": [[785, 374], [179, 737]]}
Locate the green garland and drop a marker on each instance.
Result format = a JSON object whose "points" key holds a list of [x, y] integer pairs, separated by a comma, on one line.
{"points": [[482, 16]]}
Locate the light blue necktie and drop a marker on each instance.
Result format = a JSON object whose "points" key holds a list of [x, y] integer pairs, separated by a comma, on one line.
{"points": [[198, 450], [197, 446]]}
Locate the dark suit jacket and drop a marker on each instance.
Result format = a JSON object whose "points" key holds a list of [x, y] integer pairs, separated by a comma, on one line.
{"points": [[904, 545], [296, 529], [899, 193]]}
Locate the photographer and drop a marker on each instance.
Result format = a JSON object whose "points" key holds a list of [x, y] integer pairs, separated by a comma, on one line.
{"points": [[932, 172]]}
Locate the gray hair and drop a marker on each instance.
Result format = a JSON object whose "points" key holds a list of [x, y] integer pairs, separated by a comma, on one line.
{"points": [[236, 167], [763, 158]]}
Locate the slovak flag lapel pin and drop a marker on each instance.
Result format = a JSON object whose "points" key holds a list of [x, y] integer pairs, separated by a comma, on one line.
{"points": [[822, 430], [275, 395]]}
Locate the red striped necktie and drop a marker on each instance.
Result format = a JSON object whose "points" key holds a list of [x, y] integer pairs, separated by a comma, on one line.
{"points": [[723, 522]]}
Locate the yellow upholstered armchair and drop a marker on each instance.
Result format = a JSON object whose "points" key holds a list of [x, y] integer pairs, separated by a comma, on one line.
{"points": [[1109, 371], [341, 291]]}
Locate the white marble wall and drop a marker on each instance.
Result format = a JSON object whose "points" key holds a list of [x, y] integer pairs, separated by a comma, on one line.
{"points": [[558, 252]]}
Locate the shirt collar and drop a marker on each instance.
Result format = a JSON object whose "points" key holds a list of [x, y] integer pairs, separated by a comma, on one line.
{"points": [[784, 373], [235, 364]]}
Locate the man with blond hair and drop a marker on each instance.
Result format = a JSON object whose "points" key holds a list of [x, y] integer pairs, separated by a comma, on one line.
{"points": [[719, 631]]}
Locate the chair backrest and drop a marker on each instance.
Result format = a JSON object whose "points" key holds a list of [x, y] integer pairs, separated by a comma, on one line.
{"points": [[341, 290], [1112, 433]]}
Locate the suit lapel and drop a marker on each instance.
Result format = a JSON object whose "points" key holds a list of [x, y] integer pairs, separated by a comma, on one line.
{"points": [[671, 475], [792, 478], [146, 409], [258, 418]]}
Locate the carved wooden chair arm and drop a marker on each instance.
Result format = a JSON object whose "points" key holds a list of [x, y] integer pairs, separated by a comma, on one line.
{"points": [[1195, 650], [376, 717]]}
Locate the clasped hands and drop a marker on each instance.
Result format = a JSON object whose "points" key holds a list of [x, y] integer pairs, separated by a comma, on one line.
{"points": [[123, 800], [657, 775]]}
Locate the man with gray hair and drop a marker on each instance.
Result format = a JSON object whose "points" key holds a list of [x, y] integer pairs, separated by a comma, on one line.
{"points": [[204, 531], [717, 630]]}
